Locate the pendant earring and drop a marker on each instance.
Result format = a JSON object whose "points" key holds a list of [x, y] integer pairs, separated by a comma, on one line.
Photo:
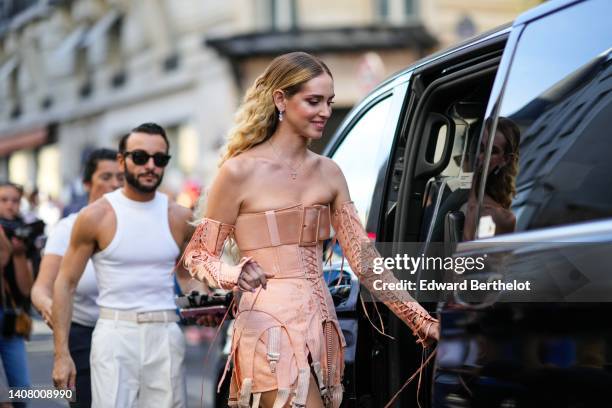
{"points": [[280, 116]]}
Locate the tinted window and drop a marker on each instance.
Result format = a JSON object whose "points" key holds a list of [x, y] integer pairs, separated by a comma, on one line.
{"points": [[558, 94], [360, 154]]}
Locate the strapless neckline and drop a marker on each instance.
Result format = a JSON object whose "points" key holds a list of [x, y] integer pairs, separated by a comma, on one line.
{"points": [[289, 207]]}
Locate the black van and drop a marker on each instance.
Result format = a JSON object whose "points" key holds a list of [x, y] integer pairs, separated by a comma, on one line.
{"points": [[421, 167]]}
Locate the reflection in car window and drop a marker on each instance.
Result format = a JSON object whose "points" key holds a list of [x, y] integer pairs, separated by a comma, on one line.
{"points": [[496, 216], [358, 155], [558, 93]]}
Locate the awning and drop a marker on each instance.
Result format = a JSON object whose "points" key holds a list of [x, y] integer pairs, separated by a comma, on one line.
{"points": [[101, 27], [8, 67], [23, 140], [342, 39]]}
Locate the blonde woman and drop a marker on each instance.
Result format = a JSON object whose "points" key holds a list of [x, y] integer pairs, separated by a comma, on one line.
{"points": [[500, 187], [277, 199]]}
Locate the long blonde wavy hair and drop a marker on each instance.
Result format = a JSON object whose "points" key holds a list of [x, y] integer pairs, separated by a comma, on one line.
{"points": [[257, 117]]}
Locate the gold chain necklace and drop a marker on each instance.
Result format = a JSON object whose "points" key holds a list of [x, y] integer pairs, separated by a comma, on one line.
{"points": [[294, 170]]}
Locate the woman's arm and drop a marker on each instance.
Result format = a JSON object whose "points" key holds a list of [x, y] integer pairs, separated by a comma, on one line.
{"points": [[42, 291], [202, 257], [55, 248], [360, 253], [24, 276], [5, 249]]}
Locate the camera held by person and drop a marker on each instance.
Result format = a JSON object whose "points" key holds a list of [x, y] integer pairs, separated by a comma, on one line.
{"points": [[29, 235]]}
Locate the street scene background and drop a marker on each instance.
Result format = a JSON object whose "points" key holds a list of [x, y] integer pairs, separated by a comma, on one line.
{"points": [[76, 75]]}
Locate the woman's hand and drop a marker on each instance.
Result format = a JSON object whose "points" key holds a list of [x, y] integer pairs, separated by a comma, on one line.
{"points": [[432, 334], [252, 276], [19, 248]]}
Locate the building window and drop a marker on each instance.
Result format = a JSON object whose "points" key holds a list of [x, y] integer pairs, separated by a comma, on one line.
{"points": [[277, 15], [14, 94], [395, 11], [410, 8], [266, 11], [382, 9], [293, 14]]}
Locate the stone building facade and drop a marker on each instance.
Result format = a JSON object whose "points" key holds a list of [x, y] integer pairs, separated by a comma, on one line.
{"points": [[78, 74]]}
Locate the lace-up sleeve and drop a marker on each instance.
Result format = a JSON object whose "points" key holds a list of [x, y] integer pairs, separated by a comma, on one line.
{"points": [[202, 256], [360, 253]]}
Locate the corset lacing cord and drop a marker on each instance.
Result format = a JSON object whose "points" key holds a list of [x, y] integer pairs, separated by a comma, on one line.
{"points": [[311, 265], [418, 372]]}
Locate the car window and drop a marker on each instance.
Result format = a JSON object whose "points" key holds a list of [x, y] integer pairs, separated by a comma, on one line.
{"points": [[556, 110], [362, 152]]}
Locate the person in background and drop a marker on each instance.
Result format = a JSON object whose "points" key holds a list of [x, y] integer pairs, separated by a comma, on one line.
{"points": [[500, 187], [15, 285], [101, 175], [3, 389]]}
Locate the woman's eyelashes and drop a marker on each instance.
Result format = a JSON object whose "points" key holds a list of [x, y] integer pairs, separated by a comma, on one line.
{"points": [[315, 102]]}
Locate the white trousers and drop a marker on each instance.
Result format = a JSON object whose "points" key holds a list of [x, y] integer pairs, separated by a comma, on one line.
{"points": [[137, 365]]}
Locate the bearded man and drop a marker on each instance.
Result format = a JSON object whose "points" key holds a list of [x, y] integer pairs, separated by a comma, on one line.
{"points": [[134, 237]]}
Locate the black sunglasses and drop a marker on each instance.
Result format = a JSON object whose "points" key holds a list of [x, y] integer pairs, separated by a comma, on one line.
{"points": [[140, 157]]}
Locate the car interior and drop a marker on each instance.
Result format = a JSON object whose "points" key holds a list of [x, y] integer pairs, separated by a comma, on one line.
{"points": [[430, 175], [440, 165]]}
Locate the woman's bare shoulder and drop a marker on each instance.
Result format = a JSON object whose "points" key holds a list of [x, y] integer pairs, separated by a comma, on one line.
{"points": [[332, 173], [333, 176], [328, 166], [237, 168]]}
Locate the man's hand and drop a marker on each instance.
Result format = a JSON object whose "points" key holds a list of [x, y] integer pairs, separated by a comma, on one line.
{"points": [[64, 372], [252, 276]]}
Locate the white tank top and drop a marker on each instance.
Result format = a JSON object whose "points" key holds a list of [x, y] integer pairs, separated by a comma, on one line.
{"points": [[135, 271], [84, 310]]}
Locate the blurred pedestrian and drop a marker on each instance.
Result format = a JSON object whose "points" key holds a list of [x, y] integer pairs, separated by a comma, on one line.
{"points": [[101, 175], [15, 285], [4, 396], [135, 235]]}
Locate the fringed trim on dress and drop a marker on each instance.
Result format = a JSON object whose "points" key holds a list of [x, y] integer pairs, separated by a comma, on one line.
{"points": [[282, 396], [301, 391], [244, 396]]}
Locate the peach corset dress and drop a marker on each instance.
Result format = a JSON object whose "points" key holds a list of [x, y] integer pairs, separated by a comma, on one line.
{"points": [[285, 332]]}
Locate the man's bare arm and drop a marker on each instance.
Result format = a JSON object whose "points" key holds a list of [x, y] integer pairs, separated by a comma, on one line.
{"points": [[82, 245]]}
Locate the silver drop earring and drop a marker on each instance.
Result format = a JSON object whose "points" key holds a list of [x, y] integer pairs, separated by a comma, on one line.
{"points": [[280, 116]]}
